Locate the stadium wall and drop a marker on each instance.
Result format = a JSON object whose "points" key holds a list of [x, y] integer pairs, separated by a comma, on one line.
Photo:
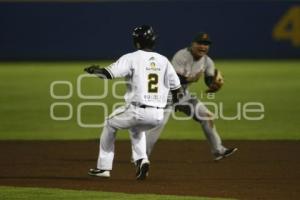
{"points": [[102, 30]]}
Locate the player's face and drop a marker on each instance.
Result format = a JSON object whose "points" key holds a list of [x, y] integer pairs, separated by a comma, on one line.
{"points": [[199, 49]]}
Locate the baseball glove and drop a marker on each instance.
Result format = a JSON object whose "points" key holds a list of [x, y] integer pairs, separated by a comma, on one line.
{"points": [[91, 69], [218, 82]]}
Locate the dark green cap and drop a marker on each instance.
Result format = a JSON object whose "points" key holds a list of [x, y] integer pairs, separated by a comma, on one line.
{"points": [[202, 38]]}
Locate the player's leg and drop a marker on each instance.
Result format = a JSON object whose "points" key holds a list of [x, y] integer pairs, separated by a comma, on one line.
{"points": [[138, 144], [139, 156], [128, 117], [205, 117], [193, 107], [153, 134], [151, 117], [106, 148], [158, 118], [121, 118]]}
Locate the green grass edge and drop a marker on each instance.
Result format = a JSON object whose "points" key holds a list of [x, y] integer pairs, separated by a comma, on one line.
{"points": [[14, 193]]}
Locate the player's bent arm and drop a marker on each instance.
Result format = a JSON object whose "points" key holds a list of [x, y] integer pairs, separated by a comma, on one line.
{"points": [[183, 79], [177, 94], [100, 72], [208, 80]]}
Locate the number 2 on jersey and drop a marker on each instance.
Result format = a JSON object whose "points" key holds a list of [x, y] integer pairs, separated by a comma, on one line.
{"points": [[152, 83]]}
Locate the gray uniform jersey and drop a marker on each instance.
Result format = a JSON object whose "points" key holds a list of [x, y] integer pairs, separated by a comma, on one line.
{"points": [[185, 64]]}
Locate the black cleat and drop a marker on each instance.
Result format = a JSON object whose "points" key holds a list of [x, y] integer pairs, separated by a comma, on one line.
{"points": [[142, 166], [227, 153], [99, 173]]}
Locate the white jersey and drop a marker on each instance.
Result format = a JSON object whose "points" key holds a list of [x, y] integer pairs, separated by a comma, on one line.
{"points": [[150, 77]]}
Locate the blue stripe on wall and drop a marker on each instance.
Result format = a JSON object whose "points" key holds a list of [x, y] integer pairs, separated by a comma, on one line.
{"points": [[103, 30]]}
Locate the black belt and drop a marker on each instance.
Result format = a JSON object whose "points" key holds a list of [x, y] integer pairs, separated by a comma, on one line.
{"points": [[144, 106]]}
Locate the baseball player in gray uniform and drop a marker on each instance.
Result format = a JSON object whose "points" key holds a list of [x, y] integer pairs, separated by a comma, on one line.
{"points": [[190, 64], [150, 77]]}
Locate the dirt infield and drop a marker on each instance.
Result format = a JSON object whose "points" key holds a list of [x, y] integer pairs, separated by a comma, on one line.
{"points": [[259, 170]]}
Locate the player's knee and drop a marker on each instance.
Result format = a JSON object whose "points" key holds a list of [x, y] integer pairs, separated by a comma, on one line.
{"points": [[109, 125], [204, 117]]}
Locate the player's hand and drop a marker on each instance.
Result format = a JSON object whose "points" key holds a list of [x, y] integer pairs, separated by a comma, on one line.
{"points": [[217, 83], [213, 88], [91, 69]]}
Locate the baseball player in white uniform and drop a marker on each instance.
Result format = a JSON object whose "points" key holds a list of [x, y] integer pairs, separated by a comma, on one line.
{"points": [[190, 64], [150, 77]]}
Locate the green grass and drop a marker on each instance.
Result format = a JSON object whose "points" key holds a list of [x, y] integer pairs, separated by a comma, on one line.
{"points": [[25, 101], [16, 193]]}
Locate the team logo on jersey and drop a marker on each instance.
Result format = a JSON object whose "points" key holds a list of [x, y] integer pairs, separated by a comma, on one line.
{"points": [[152, 65]]}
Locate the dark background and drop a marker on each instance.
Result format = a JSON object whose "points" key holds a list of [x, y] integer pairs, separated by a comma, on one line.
{"points": [[102, 30]]}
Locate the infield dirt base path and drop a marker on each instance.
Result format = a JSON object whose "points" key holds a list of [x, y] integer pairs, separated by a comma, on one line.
{"points": [[259, 170]]}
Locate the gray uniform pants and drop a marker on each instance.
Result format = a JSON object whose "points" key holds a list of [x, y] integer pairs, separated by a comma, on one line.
{"points": [[191, 106]]}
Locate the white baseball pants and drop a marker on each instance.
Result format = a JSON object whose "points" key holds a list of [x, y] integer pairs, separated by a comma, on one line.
{"points": [[131, 117]]}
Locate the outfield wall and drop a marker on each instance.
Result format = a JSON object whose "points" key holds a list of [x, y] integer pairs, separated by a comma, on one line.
{"points": [[102, 30]]}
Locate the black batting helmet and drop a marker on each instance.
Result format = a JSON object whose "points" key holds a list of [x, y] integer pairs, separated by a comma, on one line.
{"points": [[143, 37]]}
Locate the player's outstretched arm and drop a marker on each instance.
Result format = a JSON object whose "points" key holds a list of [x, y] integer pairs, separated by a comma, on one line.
{"points": [[100, 72]]}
